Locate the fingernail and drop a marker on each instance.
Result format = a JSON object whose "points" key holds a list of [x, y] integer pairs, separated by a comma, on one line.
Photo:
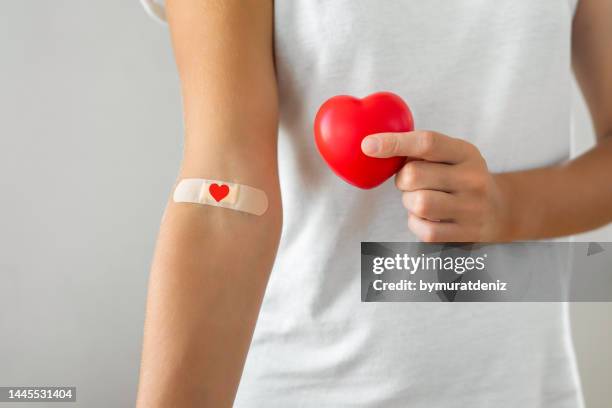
{"points": [[370, 145]]}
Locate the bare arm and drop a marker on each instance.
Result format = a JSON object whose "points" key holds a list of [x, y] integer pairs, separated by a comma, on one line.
{"points": [[212, 264], [576, 197]]}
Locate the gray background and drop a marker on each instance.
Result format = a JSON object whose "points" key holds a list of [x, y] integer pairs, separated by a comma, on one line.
{"points": [[90, 120]]}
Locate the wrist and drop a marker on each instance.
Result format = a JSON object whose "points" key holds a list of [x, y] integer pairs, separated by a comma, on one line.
{"points": [[509, 222]]}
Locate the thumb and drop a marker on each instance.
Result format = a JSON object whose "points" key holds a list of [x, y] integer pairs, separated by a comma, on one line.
{"points": [[383, 145]]}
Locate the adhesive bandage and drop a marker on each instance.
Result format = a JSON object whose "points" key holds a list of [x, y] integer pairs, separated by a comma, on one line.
{"points": [[221, 194]]}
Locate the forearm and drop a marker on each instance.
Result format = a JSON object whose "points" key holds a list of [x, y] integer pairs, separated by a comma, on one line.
{"points": [[561, 200], [208, 278], [211, 267]]}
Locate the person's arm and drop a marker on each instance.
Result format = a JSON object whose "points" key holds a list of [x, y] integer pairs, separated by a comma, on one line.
{"points": [[577, 196], [212, 264], [451, 196]]}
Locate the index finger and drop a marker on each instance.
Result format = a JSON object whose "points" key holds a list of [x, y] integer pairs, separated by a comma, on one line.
{"points": [[419, 144]]}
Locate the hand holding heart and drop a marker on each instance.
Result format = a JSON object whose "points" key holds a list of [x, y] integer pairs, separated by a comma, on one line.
{"points": [[448, 191]]}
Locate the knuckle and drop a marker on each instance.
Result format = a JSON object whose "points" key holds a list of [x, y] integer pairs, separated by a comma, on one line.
{"points": [[482, 162], [427, 142], [410, 222], [477, 158], [481, 185], [473, 150], [398, 181], [476, 180], [421, 204], [429, 234], [390, 144], [407, 176], [412, 172]]}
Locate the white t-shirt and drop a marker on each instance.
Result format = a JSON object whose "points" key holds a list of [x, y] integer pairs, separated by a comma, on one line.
{"points": [[496, 73]]}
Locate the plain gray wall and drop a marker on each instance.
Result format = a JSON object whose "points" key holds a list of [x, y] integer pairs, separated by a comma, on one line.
{"points": [[90, 140]]}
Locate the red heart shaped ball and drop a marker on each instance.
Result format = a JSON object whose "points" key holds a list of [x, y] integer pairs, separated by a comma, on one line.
{"points": [[343, 121]]}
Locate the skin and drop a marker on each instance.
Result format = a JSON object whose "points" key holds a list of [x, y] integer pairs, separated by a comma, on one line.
{"points": [[211, 265], [450, 195]]}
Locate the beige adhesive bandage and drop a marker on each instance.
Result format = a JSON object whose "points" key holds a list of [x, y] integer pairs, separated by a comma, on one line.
{"points": [[221, 194]]}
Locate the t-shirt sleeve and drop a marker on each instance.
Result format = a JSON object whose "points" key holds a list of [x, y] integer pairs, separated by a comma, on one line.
{"points": [[574, 5], [156, 9]]}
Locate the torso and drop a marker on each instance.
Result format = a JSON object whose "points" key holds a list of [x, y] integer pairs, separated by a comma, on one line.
{"points": [[496, 73]]}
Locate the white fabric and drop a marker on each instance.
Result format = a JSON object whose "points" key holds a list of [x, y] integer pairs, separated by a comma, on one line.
{"points": [[496, 73], [155, 9]]}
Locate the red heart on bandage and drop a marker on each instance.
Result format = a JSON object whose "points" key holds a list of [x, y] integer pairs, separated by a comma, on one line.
{"points": [[218, 192]]}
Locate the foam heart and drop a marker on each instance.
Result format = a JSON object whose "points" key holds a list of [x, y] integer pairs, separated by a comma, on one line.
{"points": [[344, 121]]}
